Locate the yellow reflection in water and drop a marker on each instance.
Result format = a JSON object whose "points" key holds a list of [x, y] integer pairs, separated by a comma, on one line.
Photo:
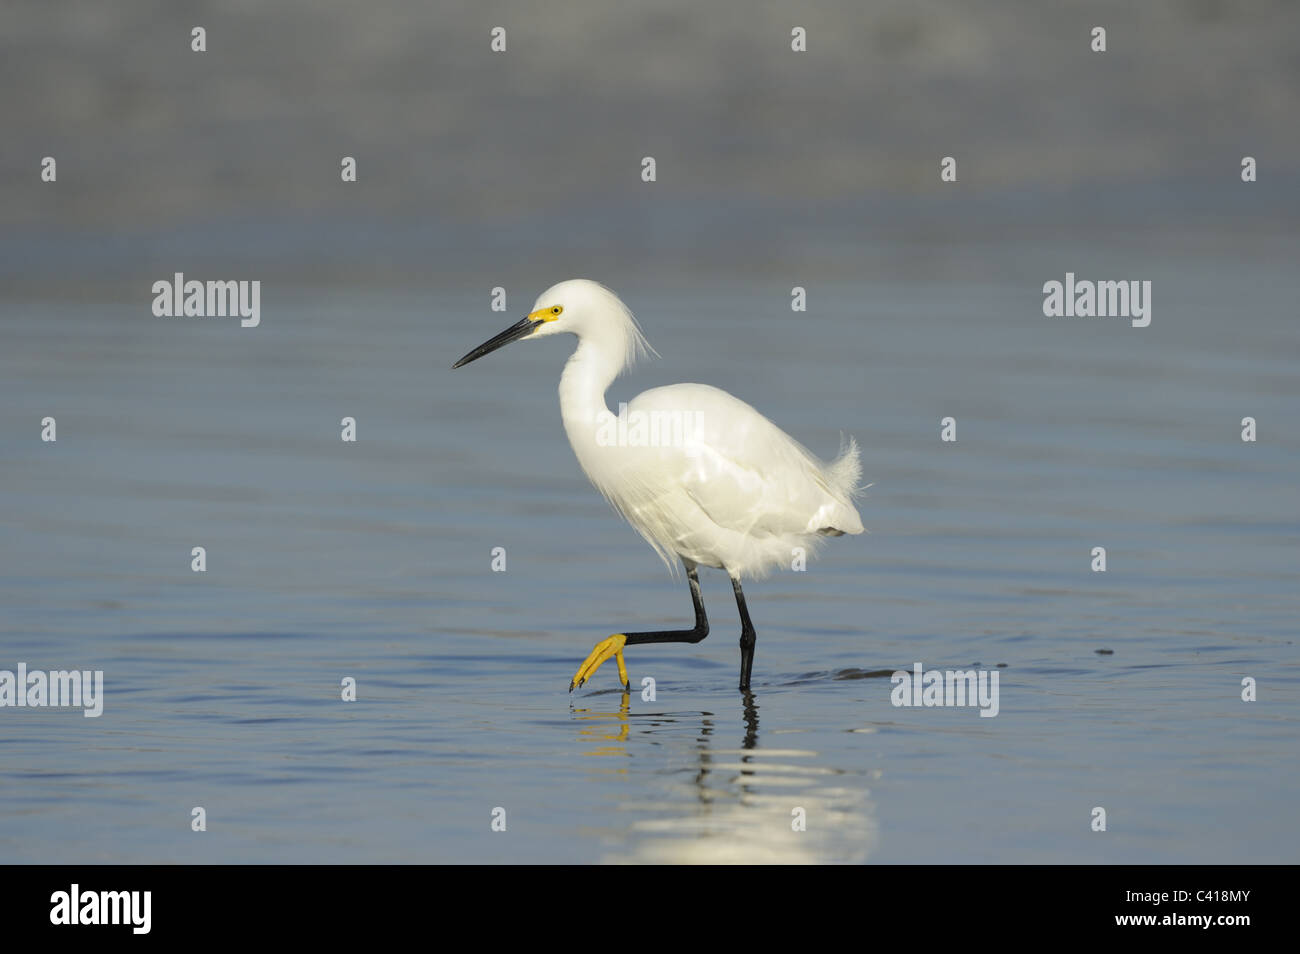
{"points": [[604, 726]]}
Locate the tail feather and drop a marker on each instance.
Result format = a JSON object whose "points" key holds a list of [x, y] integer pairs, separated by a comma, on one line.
{"points": [[844, 472], [842, 476]]}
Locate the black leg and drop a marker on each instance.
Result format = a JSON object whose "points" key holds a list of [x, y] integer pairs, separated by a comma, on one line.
{"points": [[747, 636], [679, 635], [614, 645]]}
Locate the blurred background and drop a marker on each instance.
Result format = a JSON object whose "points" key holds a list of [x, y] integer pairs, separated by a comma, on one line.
{"points": [[523, 166], [774, 169]]}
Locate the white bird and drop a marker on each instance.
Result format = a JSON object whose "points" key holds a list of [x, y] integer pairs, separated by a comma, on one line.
{"points": [[700, 474]]}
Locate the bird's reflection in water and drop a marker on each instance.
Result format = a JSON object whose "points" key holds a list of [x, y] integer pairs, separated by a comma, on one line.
{"points": [[705, 802], [606, 729]]}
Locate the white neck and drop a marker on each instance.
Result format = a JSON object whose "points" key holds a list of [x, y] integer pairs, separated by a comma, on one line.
{"points": [[588, 374]]}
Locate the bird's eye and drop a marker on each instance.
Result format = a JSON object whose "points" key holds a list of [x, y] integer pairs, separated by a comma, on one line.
{"points": [[556, 310]]}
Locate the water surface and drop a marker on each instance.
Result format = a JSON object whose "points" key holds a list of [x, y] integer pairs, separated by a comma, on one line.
{"points": [[373, 560]]}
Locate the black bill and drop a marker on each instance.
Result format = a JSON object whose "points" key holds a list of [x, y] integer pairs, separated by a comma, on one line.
{"points": [[522, 329]]}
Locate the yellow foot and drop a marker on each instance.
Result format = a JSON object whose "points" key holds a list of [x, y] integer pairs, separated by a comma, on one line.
{"points": [[604, 649]]}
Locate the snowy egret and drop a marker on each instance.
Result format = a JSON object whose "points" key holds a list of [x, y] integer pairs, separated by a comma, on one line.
{"points": [[700, 474]]}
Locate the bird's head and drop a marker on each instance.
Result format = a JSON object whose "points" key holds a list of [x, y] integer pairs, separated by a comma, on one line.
{"points": [[577, 307]]}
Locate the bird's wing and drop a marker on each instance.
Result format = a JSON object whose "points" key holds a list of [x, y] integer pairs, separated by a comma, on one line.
{"points": [[740, 469]]}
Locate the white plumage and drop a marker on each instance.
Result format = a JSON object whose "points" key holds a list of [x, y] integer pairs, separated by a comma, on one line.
{"points": [[700, 474], [736, 492]]}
